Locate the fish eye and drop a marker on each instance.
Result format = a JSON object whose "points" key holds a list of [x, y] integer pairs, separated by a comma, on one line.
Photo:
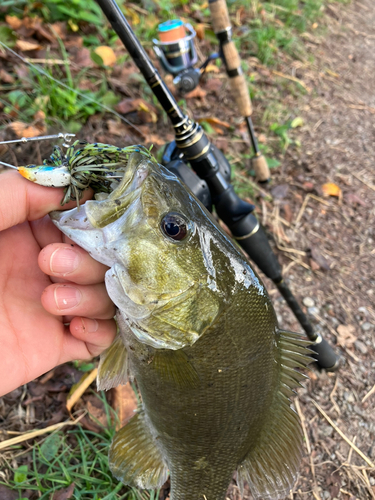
{"points": [[174, 226]]}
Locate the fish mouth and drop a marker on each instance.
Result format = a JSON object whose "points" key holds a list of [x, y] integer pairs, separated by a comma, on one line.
{"points": [[104, 210]]}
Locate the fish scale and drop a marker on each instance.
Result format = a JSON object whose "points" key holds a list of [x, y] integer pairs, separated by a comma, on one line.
{"points": [[198, 332]]}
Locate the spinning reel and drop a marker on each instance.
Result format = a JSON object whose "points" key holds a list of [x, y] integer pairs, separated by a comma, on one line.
{"points": [[176, 52]]}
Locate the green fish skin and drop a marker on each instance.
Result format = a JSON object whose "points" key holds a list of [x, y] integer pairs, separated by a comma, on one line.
{"points": [[198, 332]]}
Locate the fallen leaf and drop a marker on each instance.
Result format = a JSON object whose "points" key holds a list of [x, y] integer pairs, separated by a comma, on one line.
{"points": [[297, 122], [331, 189], [79, 388], [212, 120], [8, 494], [83, 58], [280, 192], [212, 68], [345, 335], [124, 403], [24, 129], [308, 186], [116, 128], [14, 22], [213, 85], [96, 411], [353, 199], [130, 105], [319, 259], [197, 92], [199, 29], [106, 53], [64, 494], [25, 46], [6, 77]]}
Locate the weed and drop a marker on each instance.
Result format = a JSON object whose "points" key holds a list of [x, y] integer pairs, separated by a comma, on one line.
{"points": [[77, 456]]}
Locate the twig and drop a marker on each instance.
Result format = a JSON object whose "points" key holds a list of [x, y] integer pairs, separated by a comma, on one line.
{"points": [[298, 262], [339, 431], [332, 394], [303, 420], [351, 451], [364, 182], [369, 394], [293, 79], [46, 61], [33, 434]]}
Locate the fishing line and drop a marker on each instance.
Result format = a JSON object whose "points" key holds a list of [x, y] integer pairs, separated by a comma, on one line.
{"points": [[89, 99]]}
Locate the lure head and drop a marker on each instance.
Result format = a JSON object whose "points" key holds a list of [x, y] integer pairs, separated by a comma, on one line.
{"points": [[45, 175], [172, 268]]}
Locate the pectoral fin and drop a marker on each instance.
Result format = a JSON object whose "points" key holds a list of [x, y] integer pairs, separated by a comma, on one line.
{"points": [[134, 457], [271, 467], [113, 366]]}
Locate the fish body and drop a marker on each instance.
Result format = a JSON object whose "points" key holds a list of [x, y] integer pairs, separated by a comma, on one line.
{"points": [[198, 332]]}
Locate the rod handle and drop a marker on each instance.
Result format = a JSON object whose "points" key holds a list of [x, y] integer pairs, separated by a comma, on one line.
{"points": [[238, 85], [219, 14], [221, 23], [259, 164]]}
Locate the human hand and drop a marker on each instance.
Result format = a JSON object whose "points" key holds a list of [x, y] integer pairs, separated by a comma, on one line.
{"points": [[36, 300]]}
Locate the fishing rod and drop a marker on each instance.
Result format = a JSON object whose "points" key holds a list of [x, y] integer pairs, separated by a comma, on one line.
{"points": [[209, 178]]}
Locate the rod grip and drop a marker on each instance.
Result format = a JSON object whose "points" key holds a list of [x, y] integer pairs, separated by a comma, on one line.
{"points": [[259, 164], [220, 15], [237, 83]]}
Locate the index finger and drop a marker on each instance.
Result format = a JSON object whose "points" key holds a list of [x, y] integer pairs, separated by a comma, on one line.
{"points": [[71, 262]]}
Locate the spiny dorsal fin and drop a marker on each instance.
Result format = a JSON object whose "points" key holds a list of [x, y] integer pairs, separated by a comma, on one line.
{"points": [[134, 457], [113, 366], [271, 468]]}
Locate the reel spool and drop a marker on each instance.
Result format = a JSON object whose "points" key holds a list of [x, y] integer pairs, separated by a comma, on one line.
{"points": [[176, 51]]}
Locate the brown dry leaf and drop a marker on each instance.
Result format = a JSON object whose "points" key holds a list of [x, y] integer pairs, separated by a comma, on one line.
{"points": [[128, 11], [124, 403], [197, 92], [331, 189], [319, 259], [97, 412], [25, 46], [199, 28], [79, 388], [212, 120], [39, 115], [345, 335], [106, 53], [64, 494], [212, 68], [155, 139], [83, 58], [353, 199], [6, 77], [14, 22], [130, 105], [213, 85], [116, 128], [22, 129]]}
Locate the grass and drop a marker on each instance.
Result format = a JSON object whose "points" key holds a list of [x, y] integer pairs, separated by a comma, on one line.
{"points": [[77, 456]]}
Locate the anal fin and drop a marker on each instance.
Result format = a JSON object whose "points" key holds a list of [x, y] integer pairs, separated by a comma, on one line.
{"points": [[271, 467], [113, 366], [134, 457]]}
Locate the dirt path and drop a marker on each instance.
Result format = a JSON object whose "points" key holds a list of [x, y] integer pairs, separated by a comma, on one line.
{"points": [[337, 145]]}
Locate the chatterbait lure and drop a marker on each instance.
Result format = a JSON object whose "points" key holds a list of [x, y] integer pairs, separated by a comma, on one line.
{"points": [[84, 164]]}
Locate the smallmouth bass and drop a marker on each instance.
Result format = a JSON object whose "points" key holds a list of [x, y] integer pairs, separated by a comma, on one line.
{"points": [[198, 332]]}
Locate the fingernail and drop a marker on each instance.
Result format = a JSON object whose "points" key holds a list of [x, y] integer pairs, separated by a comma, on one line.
{"points": [[89, 325], [67, 297], [64, 261]]}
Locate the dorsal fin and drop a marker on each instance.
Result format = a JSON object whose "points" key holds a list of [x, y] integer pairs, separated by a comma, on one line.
{"points": [[271, 467], [134, 458]]}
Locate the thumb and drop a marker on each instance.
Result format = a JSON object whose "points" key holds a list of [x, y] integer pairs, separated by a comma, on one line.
{"points": [[22, 200]]}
